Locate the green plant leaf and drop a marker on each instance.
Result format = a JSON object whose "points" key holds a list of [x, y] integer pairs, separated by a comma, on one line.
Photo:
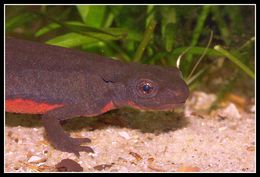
{"points": [[19, 20], [198, 31], [169, 36], [200, 24], [46, 29], [197, 51], [147, 37], [78, 27], [74, 39], [70, 40], [235, 60], [92, 15]]}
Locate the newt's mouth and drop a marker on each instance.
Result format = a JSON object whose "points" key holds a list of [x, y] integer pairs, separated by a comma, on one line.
{"points": [[165, 107]]}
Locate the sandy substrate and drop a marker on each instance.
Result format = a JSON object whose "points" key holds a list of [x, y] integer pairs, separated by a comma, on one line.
{"points": [[126, 140]]}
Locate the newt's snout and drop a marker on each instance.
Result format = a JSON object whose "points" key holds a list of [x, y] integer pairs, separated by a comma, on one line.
{"points": [[182, 93]]}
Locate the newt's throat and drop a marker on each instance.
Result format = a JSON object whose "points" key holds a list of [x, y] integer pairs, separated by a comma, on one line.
{"points": [[166, 107]]}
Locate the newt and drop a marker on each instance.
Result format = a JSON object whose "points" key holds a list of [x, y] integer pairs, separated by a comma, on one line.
{"points": [[61, 83]]}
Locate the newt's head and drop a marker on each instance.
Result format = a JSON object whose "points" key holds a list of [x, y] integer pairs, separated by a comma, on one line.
{"points": [[151, 87]]}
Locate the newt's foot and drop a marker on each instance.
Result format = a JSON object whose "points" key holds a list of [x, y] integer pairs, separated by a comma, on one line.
{"points": [[77, 145], [73, 145], [62, 141]]}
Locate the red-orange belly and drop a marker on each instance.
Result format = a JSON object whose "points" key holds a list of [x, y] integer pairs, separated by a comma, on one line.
{"points": [[28, 106]]}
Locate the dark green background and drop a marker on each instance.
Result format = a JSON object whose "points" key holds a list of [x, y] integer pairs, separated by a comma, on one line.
{"points": [[153, 35]]}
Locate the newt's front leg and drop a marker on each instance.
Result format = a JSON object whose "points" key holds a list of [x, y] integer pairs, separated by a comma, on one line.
{"points": [[55, 133]]}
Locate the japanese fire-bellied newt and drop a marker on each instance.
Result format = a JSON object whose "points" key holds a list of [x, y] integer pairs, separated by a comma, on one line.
{"points": [[62, 83]]}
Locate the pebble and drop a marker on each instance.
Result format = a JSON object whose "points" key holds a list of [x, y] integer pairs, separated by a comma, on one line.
{"points": [[124, 135], [37, 159], [230, 111]]}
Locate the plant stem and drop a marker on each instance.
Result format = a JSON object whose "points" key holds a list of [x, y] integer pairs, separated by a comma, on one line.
{"points": [[147, 37]]}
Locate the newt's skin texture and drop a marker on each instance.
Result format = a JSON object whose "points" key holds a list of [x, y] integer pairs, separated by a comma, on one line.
{"points": [[62, 83]]}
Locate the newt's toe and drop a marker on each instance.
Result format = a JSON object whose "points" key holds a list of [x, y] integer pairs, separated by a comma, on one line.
{"points": [[86, 149], [82, 140]]}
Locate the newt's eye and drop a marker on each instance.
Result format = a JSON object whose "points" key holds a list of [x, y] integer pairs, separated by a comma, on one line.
{"points": [[146, 88]]}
